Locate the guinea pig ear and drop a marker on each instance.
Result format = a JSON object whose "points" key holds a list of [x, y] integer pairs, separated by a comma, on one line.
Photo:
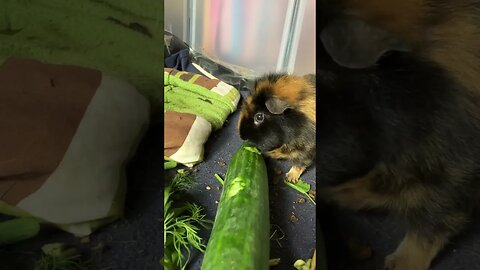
{"points": [[276, 105], [353, 43]]}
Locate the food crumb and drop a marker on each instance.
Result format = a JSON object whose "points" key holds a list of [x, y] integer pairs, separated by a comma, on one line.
{"points": [[300, 200], [274, 262], [293, 218], [217, 187], [208, 188], [221, 163], [216, 201]]}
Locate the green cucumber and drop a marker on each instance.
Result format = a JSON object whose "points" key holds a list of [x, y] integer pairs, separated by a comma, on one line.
{"points": [[19, 229], [240, 234]]}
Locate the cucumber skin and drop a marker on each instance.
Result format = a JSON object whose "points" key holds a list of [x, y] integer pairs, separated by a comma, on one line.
{"points": [[240, 234], [16, 230]]}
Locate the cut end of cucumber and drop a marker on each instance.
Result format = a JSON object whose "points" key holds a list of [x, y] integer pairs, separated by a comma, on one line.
{"points": [[253, 149]]}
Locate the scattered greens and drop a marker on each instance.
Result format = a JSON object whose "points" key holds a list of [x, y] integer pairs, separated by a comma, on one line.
{"points": [[56, 257], [183, 180], [301, 187], [181, 224], [169, 163], [302, 265], [219, 178], [71, 262], [306, 265]]}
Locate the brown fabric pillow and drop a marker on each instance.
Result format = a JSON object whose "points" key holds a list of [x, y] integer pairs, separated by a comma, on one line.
{"points": [[66, 134]]}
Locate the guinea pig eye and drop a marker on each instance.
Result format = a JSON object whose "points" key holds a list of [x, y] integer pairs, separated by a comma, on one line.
{"points": [[259, 117]]}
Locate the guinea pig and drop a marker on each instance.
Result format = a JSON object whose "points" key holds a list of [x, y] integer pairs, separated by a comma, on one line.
{"points": [[279, 119], [401, 136]]}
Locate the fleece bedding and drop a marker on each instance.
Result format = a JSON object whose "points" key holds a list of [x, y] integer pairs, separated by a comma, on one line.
{"points": [[122, 38], [79, 81], [66, 134], [194, 106]]}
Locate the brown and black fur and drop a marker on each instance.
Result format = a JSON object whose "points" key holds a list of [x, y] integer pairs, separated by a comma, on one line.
{"points": [[403, 136], [446, 32], [287, 134]]}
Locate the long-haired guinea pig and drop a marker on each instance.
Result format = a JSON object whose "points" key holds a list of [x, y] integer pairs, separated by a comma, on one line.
{"points": [[446, 32], [279, 118], [402, 136]]}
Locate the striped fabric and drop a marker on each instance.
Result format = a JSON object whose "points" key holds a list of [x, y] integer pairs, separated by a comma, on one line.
{"points": [[194, 106]]}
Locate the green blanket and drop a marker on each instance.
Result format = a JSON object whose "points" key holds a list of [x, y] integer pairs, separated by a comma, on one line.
{"points": [[121, 37], [211, 99]]}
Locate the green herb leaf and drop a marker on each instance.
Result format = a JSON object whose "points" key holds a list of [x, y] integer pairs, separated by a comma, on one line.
{"points": [[170, 164], [301, 187], [183, 180], [181, 224], [219, 179], [57, 257]]}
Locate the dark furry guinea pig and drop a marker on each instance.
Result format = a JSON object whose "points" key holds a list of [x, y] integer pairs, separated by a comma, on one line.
{"points": [[402, 136], [279, 118]]}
